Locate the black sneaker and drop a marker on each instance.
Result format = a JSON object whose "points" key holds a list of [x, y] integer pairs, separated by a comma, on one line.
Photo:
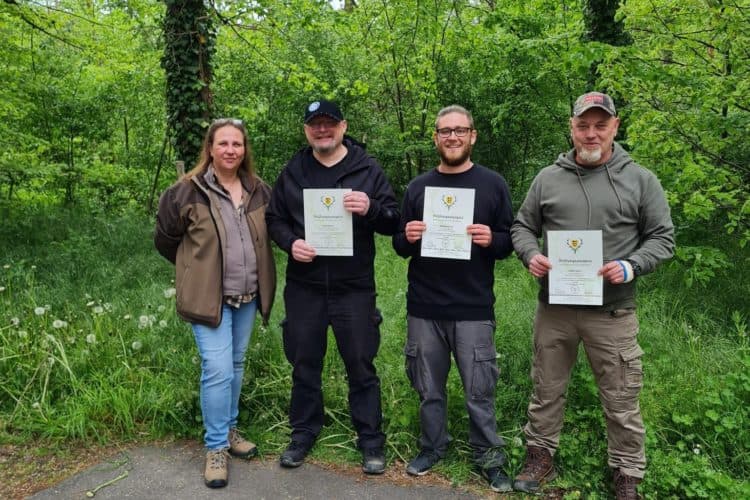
{"points": [[497, 478], [294, 454], [422, 463], [373, 461]]}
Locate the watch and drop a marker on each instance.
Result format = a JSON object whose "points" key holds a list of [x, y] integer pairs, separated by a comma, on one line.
{"points": [[636, 267]]}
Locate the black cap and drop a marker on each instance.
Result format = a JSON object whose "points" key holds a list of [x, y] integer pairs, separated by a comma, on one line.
{"points": [[594, 100], [323, 107]]}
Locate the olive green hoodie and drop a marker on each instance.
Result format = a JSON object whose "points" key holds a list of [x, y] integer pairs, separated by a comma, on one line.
{"points": [[622, 199]]}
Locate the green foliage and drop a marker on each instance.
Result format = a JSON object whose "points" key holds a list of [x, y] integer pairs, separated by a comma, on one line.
{"points": [[189, 45], [685, 79]]}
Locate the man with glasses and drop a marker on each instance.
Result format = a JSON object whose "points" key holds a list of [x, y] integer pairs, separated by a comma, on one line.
{"points": [[450, 301], [332, 290]]}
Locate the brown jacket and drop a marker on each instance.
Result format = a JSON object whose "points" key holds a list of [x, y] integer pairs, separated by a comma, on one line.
{"points": [[190, 234]]}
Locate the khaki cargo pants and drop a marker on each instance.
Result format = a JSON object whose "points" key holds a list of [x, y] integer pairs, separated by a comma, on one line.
{"points": [[609, 339]]}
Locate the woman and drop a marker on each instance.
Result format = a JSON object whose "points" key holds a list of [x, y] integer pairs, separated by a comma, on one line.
{"points": [[211, 225]]}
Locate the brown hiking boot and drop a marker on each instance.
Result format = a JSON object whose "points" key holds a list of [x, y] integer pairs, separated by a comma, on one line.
{"points": [[217, 469], [239, 446], [538, 469], [626, 487]]}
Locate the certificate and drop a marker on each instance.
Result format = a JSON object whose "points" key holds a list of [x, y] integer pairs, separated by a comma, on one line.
{"points": [[447, 212], [576, 256], [328, 226]]}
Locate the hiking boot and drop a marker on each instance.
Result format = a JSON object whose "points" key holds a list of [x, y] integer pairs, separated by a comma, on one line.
{"points": [[373, 461], [497, 478], [626, 487], [239, 446], [422, 463], [217, 470], [294, 454], [538, 469]]}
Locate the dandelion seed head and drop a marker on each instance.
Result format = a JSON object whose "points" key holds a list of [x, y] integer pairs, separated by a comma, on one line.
{"points": [[143, 321], [23, 334], [195, 360], [697, 451], [39, 311], [137, 345], [163, 323], [90, 338], [35, 405], [98, 310], [107, 306], [15, 321], [49, 337], [126, 317], [161, 309], [170, 292], [58, 323], [47, 307], [50, 361]]}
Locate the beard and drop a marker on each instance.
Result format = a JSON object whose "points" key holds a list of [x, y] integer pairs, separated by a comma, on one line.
{"points": [[455, 161], [589, 156]]}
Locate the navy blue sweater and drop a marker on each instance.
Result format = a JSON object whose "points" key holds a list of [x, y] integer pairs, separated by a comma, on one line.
{"points": [[448, 288]]}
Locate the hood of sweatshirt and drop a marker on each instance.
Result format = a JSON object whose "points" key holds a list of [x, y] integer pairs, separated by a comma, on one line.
{"points": [[357, 159], [619, 161]]}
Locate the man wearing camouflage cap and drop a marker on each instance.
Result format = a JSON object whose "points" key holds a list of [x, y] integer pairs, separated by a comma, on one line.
{"points": [[594, 186]]}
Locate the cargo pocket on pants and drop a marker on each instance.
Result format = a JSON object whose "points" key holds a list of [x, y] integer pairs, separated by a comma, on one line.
{"points": [[632, 369], [484, 372], [412, 367]]}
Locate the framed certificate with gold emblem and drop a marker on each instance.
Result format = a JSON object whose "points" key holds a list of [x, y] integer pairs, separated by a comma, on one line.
{"points": [[328, 226], [576, 256], [447, 213]]}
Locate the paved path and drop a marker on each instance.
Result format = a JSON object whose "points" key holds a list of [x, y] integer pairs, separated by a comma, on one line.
{"points": [[174, 471]]}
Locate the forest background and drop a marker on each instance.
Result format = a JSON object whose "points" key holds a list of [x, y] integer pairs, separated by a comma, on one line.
{"points": [[100, 98]]}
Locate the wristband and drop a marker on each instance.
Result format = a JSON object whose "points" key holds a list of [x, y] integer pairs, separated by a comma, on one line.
{"points": [[627, 271]]}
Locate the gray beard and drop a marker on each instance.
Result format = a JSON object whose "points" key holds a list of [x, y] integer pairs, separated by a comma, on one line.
{"points": [[325, 151], [588, 156]]}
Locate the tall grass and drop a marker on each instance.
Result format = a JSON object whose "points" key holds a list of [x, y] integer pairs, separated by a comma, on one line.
{"points": [[91, 348]]}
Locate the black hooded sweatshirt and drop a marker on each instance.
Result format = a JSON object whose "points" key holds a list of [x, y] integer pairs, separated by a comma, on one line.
{"points": [[285, 219]]}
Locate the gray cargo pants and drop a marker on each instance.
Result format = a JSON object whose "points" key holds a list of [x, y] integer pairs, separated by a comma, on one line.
{"points": [[609, 339], [428, 349]]}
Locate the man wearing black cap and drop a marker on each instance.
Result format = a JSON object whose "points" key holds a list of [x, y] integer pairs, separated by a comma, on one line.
{"points": [[594, 186], [332, 290]]}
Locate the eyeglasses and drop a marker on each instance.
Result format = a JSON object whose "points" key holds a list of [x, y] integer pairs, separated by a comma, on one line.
{"points": [[322, 124], [446, 132]]}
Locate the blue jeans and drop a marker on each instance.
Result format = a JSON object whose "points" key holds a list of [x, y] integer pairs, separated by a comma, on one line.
{"points": [[222, 351]]}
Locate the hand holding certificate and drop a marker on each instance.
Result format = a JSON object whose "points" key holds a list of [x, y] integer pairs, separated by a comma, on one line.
{"points": [[328, 226], [447, 213], [576, 257]]}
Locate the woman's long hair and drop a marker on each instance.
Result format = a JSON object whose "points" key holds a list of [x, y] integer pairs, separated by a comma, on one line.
{"points": [[204, 160]]}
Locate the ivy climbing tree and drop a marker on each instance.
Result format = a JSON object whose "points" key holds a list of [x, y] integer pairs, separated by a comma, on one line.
{"points": [[189, 44]]}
